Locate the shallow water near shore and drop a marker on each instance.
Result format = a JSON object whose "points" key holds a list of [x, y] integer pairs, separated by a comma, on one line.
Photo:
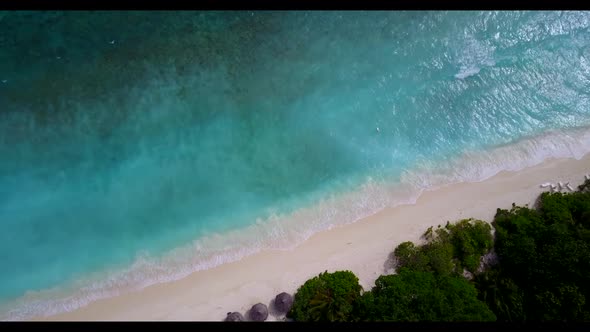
{"points": [[137, 147]]}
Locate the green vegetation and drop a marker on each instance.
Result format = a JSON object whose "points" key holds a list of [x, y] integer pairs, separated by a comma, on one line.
{"points": [[448, 250], [413, 295], [541, 273], [544, 261], [327, 297]]}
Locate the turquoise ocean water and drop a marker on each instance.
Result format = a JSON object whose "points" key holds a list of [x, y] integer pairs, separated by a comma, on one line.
{"points": [[137, 147]]}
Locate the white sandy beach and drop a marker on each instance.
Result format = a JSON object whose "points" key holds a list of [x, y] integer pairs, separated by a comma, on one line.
{"points": [[362, 247]]}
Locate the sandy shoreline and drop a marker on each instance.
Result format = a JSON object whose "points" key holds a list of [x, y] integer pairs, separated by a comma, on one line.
{"points": [[362, 247]]}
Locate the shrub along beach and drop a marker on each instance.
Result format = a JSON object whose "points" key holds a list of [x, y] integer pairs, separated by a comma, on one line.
{"points": [[534, 268]]}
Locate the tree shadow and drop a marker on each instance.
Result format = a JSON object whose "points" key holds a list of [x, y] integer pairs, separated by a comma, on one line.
{"points": [[390, 264]]}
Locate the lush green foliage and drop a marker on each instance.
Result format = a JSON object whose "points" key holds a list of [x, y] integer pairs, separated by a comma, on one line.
{"points": [[471, 239], [428, 286], [448, 250], [544, 258], [542, 272], [413, 295], [327, 297], [501, 295]]}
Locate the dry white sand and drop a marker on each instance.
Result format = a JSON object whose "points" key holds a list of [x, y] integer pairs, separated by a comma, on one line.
{"points": [[362, 247]]}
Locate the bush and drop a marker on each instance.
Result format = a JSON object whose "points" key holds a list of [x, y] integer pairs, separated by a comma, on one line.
{"points": [[412, 257], [544, 257], [471, 239], [541, 274], [448, 250], [440, 257], [327, 297], [424, 296], [501, 294]]}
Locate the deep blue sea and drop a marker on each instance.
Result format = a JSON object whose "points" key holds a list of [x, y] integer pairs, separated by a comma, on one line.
{"points": [[137, 147]]}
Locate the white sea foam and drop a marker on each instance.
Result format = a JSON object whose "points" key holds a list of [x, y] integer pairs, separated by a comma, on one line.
{"points": [[473, 56], [465, 72], [285, 232], [475, 166]]}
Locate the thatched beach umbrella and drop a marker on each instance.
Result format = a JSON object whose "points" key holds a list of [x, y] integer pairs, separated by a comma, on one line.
{"points": [[234, 317], [259, 312], [283, 302]]}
